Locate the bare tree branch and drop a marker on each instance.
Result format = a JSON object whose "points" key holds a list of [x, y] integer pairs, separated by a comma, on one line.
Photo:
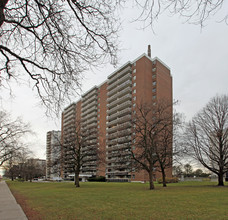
{"points": [[11, 133], [206, 136], [52, 43], [196, 12]]}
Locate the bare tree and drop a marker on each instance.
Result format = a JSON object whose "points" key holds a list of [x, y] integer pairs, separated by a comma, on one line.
{"points": [[188, 171], [78, 153], [177, 171], [15, 166], [143, 150], [196, 12], [163, 131], [50, 43], [154, 128], [11, 132], [207, 136]]}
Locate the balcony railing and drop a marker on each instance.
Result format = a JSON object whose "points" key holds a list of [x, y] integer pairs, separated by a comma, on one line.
{"points": [[88, 110], [119, 74], [120, 120], [89, 94], [120, 87], [119, 134], [119, 127], [119, 100], [119, 81], [86, 102], [120, 107], [89, 105]]}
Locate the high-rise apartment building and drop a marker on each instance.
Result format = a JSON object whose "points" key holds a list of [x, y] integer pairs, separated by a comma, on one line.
{"points": [[53, 154], [105, 113]]}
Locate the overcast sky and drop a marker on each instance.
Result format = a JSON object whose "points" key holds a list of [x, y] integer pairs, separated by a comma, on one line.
{"points": [[198, 59]]}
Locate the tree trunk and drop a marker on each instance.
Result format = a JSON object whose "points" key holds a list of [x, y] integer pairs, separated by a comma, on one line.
{"points": [[163, 178], [2, 6], [151, 180], [76, 180], [220, 179]]}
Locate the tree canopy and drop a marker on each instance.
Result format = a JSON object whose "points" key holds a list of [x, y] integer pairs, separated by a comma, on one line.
{"points": [[51, 43], [207, 136]]}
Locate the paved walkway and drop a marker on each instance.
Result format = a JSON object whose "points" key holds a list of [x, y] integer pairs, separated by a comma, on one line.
{"points": [[9, 209]]}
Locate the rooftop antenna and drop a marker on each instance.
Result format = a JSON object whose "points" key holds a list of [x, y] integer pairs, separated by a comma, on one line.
{"points": [[149, 51]]}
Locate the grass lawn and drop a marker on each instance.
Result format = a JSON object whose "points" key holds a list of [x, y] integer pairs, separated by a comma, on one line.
{"points": [[186, 200]]}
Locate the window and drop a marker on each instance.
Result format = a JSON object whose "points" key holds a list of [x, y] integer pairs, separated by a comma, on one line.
{"points": [[154, 97], [134, 98], [134, 91], [153, 90], [154, 83], [134, 105], [154, 69], [134, 84], [134, 64], [134, 77], [134, 71], [154, 76]]}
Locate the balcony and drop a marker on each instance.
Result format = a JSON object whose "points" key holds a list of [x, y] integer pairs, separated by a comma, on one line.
{"points": [[119, 134], [118, 166], [118, 173], [88, 110], [92, 125], [115, 149], [120, 120], [67, 120], [119, 74], [120, 107], [89, 105], [92, 114], [112, 142], [119, 127], [89, 148], [90, 158], [120, 87], [91, 142], [88, 94], [119, 81], [124, 85], [92, 120], [69, 110], [119, 101], [86, 102], [118, 154]]}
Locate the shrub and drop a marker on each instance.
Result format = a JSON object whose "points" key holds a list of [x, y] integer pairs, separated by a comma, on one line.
{"points": [[169, 180], [97, 179]]}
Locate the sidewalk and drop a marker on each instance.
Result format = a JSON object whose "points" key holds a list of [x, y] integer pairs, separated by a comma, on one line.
{"points": [[9, 209]]}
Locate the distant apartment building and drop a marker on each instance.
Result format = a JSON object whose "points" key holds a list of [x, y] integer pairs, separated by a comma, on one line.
{"points": [[53, 154], [106, 112]]}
